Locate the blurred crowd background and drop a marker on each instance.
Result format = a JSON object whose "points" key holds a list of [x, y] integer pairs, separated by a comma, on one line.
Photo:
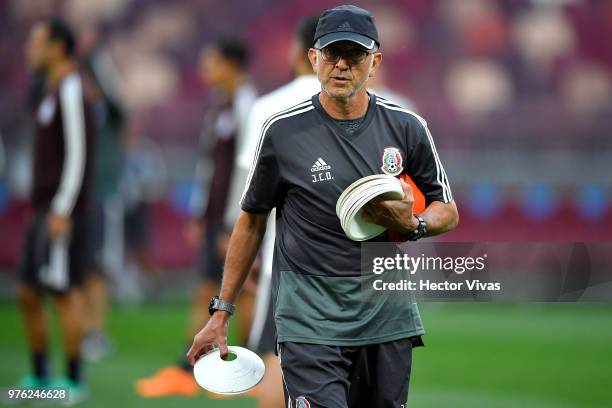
{"points": [[517, 93]]}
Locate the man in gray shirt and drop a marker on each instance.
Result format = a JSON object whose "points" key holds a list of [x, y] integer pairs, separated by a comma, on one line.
{"points": [[334, 347]]}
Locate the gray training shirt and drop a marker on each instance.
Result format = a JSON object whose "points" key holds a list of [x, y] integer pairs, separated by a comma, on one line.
{"points": [[303, 162]]}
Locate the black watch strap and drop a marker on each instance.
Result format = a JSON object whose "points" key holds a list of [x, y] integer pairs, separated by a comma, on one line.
{"points": [[420, 231], [218, 304]]}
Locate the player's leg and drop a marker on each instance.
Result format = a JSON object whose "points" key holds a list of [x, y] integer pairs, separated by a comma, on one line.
{"points": [[96, 344], [314, 375], [37, 333], [382, 375], [71, 310], [31, 302], [96, 299], [72, 320], [34, 318]]}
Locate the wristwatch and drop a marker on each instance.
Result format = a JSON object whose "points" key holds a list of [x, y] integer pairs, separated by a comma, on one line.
{"points": [[420, 231], [218, 304]]}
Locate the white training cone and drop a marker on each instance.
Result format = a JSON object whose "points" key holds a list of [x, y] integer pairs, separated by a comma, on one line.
{"points": [[230, 377]]}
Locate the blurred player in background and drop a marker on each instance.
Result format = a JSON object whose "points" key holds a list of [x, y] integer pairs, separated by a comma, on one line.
{"points": [[103, 83], [223, 67], [55, 247], [305, 84]]}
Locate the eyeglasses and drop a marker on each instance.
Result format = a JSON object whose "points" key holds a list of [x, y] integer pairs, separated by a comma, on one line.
{"points": [[353, 55]]}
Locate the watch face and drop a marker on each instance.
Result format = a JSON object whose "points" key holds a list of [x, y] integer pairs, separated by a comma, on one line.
{"points": [[218, 304]]}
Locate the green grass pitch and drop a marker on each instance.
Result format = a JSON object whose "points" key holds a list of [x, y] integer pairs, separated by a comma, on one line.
{"points": [[476, 355]]}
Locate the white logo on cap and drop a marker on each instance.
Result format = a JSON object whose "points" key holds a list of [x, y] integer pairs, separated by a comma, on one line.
{"points": [[345, 26]]}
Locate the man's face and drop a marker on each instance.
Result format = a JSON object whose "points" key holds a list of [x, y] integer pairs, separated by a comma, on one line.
{"points": [[343, 68], [37, 47]]}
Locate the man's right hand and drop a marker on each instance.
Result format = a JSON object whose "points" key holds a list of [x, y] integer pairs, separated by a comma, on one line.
{"points": [[213, 334]]}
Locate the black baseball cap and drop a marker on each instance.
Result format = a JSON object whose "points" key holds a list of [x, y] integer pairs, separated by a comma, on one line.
{"points": [[346, 23]]}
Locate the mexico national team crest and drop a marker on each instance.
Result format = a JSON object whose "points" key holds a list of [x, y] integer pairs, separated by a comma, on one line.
{"points": [[302, 402], [392, 161]]}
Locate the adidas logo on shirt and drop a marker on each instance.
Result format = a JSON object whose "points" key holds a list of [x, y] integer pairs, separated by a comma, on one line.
{"points": [[319, 165], [319, 172]]}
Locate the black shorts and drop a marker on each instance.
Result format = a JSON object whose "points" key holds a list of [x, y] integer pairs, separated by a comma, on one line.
{"points": [[57, 266], [211, 263], [372, 376]]}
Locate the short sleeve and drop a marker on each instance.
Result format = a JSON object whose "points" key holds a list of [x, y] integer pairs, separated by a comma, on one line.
{"points": [[263, 188], [424, 165]]}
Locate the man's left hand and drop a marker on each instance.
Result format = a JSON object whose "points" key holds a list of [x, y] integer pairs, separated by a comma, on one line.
{"points": [[393, 214]]}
